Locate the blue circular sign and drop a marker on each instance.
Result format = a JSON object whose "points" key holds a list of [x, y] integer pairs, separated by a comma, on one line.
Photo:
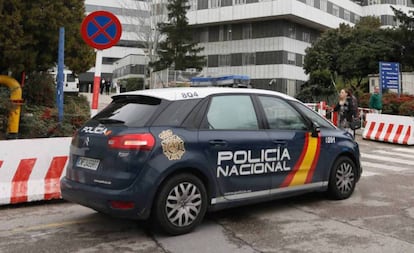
{"points": [[101, 29]]}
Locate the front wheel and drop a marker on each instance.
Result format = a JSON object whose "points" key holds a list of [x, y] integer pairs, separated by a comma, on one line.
{"points": [[342, 179], [181, 204]]}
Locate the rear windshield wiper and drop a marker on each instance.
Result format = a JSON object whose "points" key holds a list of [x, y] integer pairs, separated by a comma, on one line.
{"points": [[110, 121]]}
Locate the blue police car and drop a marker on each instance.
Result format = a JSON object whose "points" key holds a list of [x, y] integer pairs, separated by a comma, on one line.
{"points": [[172, 154]]}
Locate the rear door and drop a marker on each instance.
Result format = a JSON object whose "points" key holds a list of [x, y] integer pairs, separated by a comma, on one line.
{"points": [[233, 142]]}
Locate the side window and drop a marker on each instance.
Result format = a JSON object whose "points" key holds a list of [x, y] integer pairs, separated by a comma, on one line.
{"points": [[281, 115], [313, 116], [231, 112]]}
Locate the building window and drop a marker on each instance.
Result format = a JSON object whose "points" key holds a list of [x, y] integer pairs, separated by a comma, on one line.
{"points": [[193, 5], [237, 2], [324, 5], [291, 57], [212, 61], [214, 3], [224, 60], [236, 59], [225, 33], [291, 87], [371, 2], [226, 3], [204, 35], [213, 33], [357, 18], [306, 37], [335, 10], [292, 32], [248, 59], [247, 31], [310, 2], [388, 20], [202, 4], [347, 15]]}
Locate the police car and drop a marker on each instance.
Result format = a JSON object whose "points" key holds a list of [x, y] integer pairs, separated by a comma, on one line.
{"points": [[172, 154]]}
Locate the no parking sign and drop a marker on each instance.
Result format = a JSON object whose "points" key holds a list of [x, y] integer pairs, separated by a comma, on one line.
{"points": [[101, 30]]}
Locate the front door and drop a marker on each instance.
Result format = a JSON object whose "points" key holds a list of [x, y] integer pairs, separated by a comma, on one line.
{"points": [[233, 144]]}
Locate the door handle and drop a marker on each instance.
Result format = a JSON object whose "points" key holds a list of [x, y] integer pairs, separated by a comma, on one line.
{"points": [[280, 142], [218, 143]]}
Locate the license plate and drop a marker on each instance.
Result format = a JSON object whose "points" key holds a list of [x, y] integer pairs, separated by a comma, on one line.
{"points": [[88, 163]]}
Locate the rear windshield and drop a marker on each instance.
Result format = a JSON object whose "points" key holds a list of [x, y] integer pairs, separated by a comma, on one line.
{"points": [[131, 111]]}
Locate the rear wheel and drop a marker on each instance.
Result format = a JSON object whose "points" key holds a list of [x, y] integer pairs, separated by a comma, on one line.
{"points": [[181, 204], [342, 179]]}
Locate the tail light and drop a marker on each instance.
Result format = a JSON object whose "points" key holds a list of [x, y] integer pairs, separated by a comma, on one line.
{"points": [[143, 141]]}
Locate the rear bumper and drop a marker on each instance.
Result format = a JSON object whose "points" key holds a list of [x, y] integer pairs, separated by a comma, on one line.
{"points": [[99, 199]]}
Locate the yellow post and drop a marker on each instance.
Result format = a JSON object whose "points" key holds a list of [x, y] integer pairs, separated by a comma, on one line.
{"points": [[16, 99]]}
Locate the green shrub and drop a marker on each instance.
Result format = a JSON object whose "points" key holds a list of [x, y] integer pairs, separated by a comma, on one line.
{"points": [[39, 115], [407, 108], [391, 102], [40, 89], [363, 100], [42, 121]]}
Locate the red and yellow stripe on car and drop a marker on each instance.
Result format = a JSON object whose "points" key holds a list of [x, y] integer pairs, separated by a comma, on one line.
{"points": [[304, 169]]}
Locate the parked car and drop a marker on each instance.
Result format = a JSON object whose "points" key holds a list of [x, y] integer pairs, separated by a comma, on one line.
{"points": [[172, 154]]}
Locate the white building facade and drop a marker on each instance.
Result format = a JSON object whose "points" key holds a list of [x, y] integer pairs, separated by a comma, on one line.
{"points": [[266, 39]]}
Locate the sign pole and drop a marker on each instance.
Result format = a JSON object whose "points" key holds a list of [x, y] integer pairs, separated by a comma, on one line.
{"points": [[100, 30], [96, 83], [61, 66]]}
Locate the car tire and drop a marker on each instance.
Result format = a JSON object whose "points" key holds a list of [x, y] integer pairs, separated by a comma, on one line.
{"points": [[180, 204], [342, 179]]}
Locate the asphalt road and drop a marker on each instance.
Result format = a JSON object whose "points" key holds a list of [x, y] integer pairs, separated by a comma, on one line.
{"points": [[379, 217]]}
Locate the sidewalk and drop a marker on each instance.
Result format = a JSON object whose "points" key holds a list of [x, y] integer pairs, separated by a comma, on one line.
{"points": [[103, 99]]}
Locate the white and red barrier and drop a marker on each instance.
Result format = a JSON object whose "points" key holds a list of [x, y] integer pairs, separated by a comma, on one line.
{"points": [[389, 128], [31, 169]]}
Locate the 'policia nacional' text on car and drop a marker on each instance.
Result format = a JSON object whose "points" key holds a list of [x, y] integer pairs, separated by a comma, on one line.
{"points": [[172, 154]]}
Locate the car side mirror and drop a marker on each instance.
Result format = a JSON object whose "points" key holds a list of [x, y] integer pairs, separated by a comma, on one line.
{"points": [[316, 129]]}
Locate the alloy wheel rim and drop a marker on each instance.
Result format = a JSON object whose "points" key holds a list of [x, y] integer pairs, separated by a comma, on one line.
{"points": [[183, 204], [345, 178]]}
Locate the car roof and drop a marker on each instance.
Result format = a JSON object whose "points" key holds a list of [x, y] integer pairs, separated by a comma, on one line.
{"points": [[183, 93]]}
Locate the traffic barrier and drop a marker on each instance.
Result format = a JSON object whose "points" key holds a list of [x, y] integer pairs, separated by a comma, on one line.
{"points": [[389, 128], [31, 169]]}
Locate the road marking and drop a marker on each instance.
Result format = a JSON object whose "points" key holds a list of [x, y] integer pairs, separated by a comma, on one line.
{"points": [[399, 153], [381, 166], [369, 173], [405, 150], [387, 159]]}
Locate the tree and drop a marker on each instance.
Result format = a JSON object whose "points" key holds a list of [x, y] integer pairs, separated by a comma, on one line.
{"points": [[361, 55], [352, 53], [29, 33], [405, 36], [319, 87], [177, 49]]}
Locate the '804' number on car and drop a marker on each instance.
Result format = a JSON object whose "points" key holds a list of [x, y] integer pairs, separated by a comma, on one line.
{"points": [[190, 94]]}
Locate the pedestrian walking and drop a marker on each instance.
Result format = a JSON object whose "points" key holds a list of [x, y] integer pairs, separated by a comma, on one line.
{"points": [[108, 87], [345, 110], [375, 101], [102, 87]]}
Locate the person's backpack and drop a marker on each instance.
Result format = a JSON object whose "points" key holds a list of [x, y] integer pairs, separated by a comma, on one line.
{"points": [[355, 107]]}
